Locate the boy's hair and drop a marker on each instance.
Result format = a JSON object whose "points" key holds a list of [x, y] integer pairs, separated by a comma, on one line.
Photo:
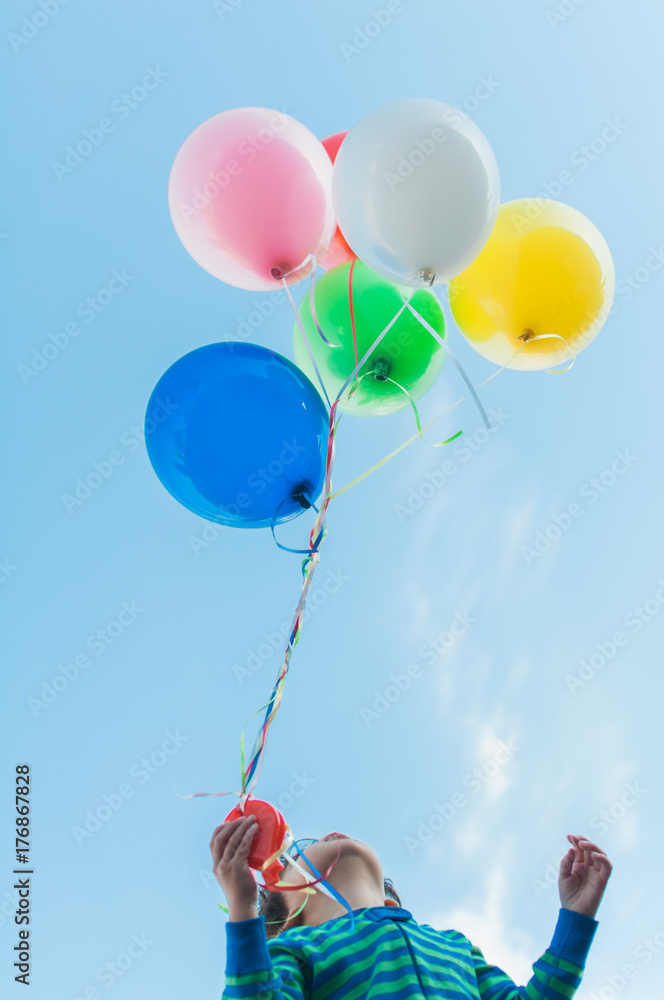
{"points": [[273, 906]]}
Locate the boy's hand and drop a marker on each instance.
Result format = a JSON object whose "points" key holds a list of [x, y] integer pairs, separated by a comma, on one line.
{"points": [[230, 846], [584, 872]]}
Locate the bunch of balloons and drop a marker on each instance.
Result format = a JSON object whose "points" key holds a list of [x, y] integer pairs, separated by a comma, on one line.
{"points": [[407, 200]]}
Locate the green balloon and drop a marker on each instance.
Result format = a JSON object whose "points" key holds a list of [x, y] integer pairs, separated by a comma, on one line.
{"points": [[408, 353]]}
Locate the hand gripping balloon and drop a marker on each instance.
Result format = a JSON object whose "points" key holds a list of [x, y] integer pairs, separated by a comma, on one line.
{"points": [[270, 842]]}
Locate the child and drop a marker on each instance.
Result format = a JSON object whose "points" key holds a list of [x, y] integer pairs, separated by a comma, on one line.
{"points": [[317, 955]]}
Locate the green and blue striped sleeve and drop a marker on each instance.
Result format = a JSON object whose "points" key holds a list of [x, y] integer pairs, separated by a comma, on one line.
{"points": [[556, 975], [250, 970]]}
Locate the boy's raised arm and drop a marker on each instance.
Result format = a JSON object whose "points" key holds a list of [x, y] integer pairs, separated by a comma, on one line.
{"points": [[250, 970], [584, 873]]}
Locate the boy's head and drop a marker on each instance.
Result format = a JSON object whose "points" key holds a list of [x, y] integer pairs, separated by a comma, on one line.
{"points": [[357, 872]]}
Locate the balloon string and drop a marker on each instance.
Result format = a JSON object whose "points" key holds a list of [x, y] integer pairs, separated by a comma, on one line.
{"points": [[310, 503], [306, 341], [548, 336], [318, 532], [351, 309], [309, 565], [252, 770], [444, 344], [251, 773], [433, 444], [333, 425], [384, 461], [410, 440], [328, 889], [368, 352], [312, 306], [308, 883], [291, 915]]}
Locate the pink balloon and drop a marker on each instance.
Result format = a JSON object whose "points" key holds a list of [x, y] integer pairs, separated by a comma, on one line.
{"points": [[339, 252], [250, 197]]}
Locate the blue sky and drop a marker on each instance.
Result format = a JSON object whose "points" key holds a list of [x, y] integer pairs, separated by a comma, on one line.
{"points": [[159, 706]]}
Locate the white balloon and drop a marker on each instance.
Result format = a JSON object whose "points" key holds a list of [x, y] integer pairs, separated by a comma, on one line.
{"points": [[416, 191]]}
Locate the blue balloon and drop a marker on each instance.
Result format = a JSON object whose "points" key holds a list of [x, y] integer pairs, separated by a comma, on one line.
{"points": [[237, 433]]}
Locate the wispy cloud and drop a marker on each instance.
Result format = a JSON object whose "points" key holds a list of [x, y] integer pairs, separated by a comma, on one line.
{"points": [[487, 925]]}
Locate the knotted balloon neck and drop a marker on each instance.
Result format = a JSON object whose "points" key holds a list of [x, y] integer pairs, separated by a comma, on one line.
{"points": [[529, 336], [301, 494], [381, 370], [281, 270]]}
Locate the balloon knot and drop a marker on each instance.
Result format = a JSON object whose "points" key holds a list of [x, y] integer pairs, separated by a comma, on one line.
{"points": [[300, 496], [278, 273], [381, 368], [427, 277], [526, 335]]}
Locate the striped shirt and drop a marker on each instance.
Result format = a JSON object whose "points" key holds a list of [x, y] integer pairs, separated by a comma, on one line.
{"points": [[390, 955]]}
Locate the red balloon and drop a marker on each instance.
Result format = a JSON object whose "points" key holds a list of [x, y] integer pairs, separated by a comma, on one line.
{"points": [[271, 837], [333, 142], [339, 252]]}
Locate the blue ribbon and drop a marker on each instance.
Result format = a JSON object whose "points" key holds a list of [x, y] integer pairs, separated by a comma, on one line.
{"points": [[330, 888]]}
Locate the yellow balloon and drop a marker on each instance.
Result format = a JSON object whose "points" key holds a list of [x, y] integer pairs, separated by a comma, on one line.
{"points": [[545, 271]]}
